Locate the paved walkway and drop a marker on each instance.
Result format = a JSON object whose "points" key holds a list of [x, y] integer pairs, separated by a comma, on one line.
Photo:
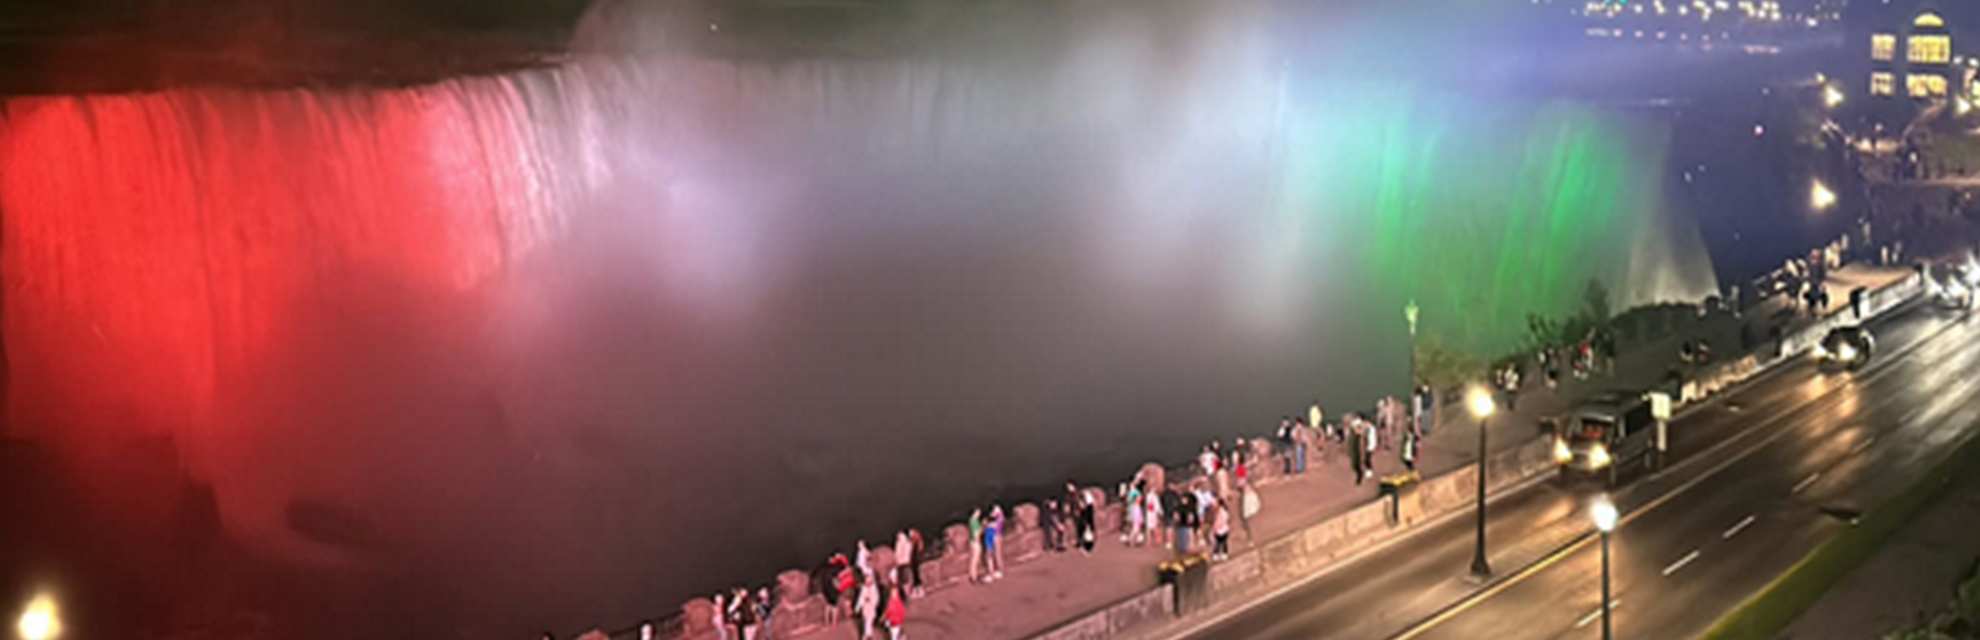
{"points": [[1047, 591]]}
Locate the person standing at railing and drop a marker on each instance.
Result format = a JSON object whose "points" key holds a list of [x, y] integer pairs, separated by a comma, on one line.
{"points": [[1205, 498], [975, 545], [1220, 530], [826, 579], [993, 551], [1137, 516], [1285, 440], [719, 617], [1049, 525], [1303, 437], [1355, 438], [920, 550], [746, 615], [896, 613], [1221, 480], [765, 607], [868, 605], [1086, 517], [1373, 442], [903, 554], [1409, 439], [1185, 519]]}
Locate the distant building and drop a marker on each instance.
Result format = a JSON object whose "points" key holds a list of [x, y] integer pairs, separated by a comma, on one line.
{"points": [[1914, 50]]}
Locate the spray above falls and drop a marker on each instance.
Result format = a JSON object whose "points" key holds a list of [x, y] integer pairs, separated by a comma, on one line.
{"points": [[609, 319]]}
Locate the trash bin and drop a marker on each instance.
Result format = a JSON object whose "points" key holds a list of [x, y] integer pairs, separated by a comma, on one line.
{"points": [[1189, 581], [1392, 488]]}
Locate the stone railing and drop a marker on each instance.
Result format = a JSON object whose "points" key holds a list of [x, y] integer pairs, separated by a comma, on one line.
{"points": [[800, 609], [1718, 377], [1298, 554]]}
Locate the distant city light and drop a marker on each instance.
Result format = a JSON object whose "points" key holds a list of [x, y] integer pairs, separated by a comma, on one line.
{"points": [[1821, 196], [40, 621]]}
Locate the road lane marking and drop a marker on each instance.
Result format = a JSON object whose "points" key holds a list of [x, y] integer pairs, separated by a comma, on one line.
{"points": [[1884, 366], [1675, 566], [1596, 614], [1806, 481], [1743, 524], [1351, 560], [1860, 446]]}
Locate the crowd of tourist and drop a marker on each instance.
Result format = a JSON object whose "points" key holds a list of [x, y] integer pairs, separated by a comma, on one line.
{"points": [[1196, 514]]}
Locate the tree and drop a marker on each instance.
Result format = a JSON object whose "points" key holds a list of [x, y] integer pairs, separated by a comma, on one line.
{"points": [[1596, 297], [1444, 366]]}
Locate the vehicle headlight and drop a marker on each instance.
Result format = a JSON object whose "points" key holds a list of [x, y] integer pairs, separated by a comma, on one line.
{"points": [[1598, 457], [1821, 351], [1562, 453], [1846, 352]]}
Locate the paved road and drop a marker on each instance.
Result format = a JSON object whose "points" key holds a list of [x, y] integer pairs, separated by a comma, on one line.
{"points": [[1780, 451]]}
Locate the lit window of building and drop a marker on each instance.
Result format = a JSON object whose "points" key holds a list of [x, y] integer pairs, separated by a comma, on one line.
{"points": [[1925, 85], [1881, 84], [1883, 46], [1928, 49]]}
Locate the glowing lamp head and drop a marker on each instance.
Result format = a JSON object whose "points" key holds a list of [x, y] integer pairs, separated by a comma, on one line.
{"points": [[40, 621], [1479, 401], [1831, 96], [1605, 514], [1820, 196]]}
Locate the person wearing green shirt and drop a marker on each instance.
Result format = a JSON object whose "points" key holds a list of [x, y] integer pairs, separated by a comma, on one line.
{"points": [[975, 543]]}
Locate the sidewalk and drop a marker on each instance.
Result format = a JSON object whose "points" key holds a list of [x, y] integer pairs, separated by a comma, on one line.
{"points": [[1047, 590]]}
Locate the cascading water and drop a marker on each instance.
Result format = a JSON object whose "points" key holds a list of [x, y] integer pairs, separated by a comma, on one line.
{"points": [[650, 324]]}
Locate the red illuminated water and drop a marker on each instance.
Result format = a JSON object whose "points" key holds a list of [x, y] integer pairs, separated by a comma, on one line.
{"points": [[561, 347]]}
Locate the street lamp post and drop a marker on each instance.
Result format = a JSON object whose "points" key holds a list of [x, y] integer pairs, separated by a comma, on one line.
{"points": [[1409, 312], [1605, 520], [1480, 402]]}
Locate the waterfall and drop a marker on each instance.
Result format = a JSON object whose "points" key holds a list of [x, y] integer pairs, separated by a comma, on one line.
{"points": [[643, 306]]}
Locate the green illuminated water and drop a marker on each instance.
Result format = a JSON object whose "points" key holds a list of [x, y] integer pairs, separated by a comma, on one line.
{"points": [[1484, 216]]}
